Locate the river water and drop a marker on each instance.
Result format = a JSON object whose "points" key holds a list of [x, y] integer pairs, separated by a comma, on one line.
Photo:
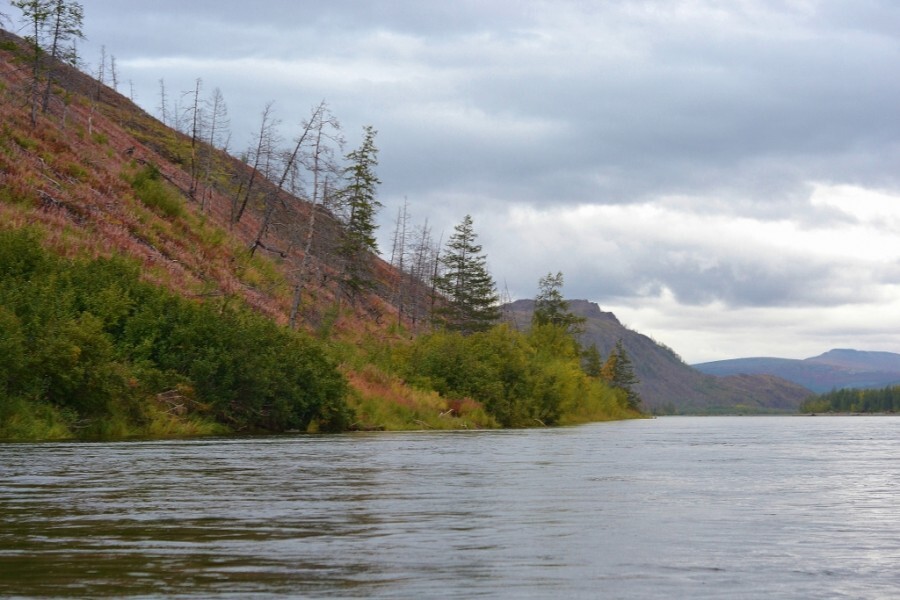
{"points": [[676, 507]]}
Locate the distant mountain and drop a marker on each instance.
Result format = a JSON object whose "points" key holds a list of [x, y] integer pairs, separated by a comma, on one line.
{"points": [[836, 369], [667, 383]]}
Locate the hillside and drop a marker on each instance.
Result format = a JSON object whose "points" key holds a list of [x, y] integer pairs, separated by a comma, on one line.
{"points": [[835, 369], [667, 383], [97, 178], [152, 284]]}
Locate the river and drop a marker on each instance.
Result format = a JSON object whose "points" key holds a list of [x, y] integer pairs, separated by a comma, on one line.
{"points": [[675, 507]]}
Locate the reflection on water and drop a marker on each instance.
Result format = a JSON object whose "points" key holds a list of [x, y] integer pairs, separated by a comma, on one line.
{"points": [[770, 507]]}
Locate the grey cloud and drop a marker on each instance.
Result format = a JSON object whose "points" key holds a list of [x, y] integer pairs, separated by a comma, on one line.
{"points": [[701, 107]]}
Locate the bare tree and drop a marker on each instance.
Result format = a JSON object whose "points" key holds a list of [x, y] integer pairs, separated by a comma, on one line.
{"points": [[113, 72], [321, 166], [65, 21], [261, 159], [194, 115], [313, 129], [35, 14], [398, 257], [101, 68], [217, 128], [163, 103]]}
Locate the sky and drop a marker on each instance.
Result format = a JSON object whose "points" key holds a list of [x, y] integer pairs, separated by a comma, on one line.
{"points": [[724, 176]]}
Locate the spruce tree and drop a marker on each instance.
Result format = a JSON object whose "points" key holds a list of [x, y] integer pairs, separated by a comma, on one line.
{"points": [[361, 204], [619, 373], [550, 308], [592, 363], [470, 298]]}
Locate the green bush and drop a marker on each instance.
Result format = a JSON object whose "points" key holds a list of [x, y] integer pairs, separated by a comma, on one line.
{"points": [[155, 193], [96, 346], [522, 380]]}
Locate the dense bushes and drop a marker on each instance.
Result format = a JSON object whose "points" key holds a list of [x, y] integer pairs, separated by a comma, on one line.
{"points": [[89, 347], [522, 379]]}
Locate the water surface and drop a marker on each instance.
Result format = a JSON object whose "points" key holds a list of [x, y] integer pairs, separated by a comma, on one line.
{"points": [[679, 507]]}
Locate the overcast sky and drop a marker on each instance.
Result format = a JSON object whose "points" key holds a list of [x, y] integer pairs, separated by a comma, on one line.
{"points": [[723, 175]]}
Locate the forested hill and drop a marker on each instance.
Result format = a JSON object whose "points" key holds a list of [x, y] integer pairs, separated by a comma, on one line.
{"points": [[667, 384]]}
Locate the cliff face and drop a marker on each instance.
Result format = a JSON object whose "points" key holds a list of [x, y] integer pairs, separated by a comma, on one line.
{"points": [[667, 383]]}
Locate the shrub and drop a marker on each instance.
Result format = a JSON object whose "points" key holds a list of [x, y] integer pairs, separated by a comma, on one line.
{"points": [[92, 342], [155, 193]]}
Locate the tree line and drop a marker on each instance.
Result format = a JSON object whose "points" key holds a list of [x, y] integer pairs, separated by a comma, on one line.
{"points": [[884, 400]]}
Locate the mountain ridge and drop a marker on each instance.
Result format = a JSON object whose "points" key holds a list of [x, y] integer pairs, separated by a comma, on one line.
{"points": [[835, 369]]}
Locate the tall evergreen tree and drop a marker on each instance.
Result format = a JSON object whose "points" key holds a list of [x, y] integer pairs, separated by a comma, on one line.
{"points": [[361, 204], [550, 308], [619, 372], [592, 363], [469, 292]]}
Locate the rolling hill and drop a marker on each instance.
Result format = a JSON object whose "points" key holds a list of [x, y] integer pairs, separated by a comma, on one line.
{"points": [[835, 369]]}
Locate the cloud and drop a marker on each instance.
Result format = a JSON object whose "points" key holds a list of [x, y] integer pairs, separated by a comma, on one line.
{"points": [[674, 159]]}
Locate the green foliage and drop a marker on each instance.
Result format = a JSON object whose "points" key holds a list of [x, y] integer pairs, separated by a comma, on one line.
{"points": [[360, 199], [619, 373], [592, 362], [522, 380], [884, 400], [551, 308], [470, 299], [87, 345], [155, 193]]}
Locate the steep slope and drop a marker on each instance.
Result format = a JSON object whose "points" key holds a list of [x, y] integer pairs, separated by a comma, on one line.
{"points": [[667, 383], [96, 178], [835, 369], [73, 173]]}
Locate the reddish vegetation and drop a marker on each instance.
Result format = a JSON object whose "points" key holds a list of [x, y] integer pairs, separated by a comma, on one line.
{"points": [[67, 174]]}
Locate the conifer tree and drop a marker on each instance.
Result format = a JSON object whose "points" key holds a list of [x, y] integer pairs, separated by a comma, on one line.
{"points": [[592, 363], [619, 372], [469, 292], [361, 204], [550, 308]]}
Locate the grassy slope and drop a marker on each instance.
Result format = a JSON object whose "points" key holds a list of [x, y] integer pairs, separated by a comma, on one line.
{"points": [[71, 177]]}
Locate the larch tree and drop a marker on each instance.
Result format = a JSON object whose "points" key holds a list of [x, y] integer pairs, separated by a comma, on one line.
{"points": [[163, 99], [469, 295], [35, 15], [217, 136], [196, 117], [324, 133], [360, 202], [64, 25], [260, 160]]}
